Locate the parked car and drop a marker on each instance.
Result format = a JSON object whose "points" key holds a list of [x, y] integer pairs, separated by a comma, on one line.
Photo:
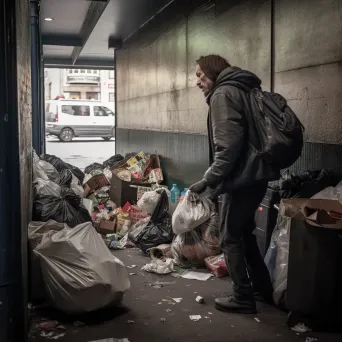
{"points": [[68, 119]]}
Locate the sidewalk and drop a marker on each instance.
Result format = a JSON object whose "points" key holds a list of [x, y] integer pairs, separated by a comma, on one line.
{"points": [[150, 314]]}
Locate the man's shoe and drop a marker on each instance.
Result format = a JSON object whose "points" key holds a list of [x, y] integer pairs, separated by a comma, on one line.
{"points": [[236, 305]]}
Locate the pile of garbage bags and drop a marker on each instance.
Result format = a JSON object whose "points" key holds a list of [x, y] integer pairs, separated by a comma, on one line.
{"points": [[74, 267], [58, 192]]}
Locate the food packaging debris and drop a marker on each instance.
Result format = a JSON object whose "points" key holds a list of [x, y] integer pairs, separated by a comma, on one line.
{"points": [[217, 265], [199, 299], [48, 325], [156, 176], [195, 318], [160, 266], [132, 274], [124, 175], [192, 275], [257, 319], [168, 310], [178, 300], [132, 266], [161, 252], [162, 320], [300, 328], [51, 335], [130, 322]]}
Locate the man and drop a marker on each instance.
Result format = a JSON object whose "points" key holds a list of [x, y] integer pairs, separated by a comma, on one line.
{"points": [[236, 173]]}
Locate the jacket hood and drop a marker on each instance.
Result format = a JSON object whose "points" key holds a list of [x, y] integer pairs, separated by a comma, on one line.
{"points": [[234, 76]]}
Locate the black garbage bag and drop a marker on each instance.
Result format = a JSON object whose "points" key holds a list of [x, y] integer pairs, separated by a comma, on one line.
{"points": [[60, 165], [303, 184], [65, 178], [113, 160], [158, 230], [92, 167], [64, 209]]}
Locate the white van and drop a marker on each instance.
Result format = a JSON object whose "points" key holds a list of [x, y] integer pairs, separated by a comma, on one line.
{"points": [[68, 119]]}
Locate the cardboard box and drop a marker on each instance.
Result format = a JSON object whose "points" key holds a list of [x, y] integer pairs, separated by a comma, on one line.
{"points": [[105, 227], [315, 212]]}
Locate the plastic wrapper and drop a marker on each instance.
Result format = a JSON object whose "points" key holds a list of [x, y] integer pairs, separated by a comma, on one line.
{"points": [[47, 188], [190, 213], [65, 178], [66, 208], [158, 230], [217, 265], [149, 201], [191, 248], [80, 273], [277, 258], [60, 165]]}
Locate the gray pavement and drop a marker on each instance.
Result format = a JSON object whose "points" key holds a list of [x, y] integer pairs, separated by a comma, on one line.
{"points": [[81, 152]]}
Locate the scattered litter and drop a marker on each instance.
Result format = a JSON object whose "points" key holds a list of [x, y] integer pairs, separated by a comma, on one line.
{"points": [[196, 275], [233, 326], [48, 325], [168, 301], [300, 328], [199, 299], [206, 317], [177, 300], [160, 266], [79, 324], [195, 318], [61, 327], [132, 274], [257, 319], [168, 310], [311, 339], [132, 266], [162, 320], [210, 313], [51, 335], [130, 322], [160, 284], [160, 303]]}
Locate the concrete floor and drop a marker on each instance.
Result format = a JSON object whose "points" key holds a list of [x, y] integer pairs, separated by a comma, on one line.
{"points": [[144, 305]]}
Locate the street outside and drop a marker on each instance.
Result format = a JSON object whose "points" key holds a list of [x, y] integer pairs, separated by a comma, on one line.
{"points": [[81, 152]]}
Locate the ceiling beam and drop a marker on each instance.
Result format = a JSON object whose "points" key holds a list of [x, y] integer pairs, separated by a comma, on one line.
{"points": [[100, 64], [114, 43], [93, 15], [62, 40]]}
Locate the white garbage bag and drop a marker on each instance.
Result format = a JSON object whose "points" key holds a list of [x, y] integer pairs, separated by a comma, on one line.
{"points": [[36, 231], [43, 169], [191, 212], [80, 273], [149, 200]]}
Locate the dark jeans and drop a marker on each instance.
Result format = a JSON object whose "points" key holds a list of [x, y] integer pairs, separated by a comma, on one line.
{"points": [[244, 261]]}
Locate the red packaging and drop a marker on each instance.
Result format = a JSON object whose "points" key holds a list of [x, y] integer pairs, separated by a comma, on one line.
{"points": [[217, 265], [137, 214]]}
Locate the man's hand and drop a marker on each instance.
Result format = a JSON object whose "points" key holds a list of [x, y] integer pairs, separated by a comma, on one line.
{"points": [[198, 187]]}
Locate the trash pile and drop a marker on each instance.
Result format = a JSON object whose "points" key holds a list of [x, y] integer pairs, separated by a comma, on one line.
{"points": [[79, 217]]}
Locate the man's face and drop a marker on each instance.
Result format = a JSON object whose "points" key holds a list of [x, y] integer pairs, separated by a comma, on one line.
{"points": [[203, 81]]}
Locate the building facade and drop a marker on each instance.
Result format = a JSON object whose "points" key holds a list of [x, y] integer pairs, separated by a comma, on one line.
{"points": [[84, 84]]}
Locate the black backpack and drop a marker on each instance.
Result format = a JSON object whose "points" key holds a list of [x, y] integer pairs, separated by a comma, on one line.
{"points": [[278, 131]]}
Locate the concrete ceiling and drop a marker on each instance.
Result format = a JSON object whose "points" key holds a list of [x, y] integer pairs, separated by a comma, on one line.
{"points": [[85, 33]]}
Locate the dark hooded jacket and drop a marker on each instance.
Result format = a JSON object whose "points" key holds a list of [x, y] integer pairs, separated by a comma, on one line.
{"points": [[233, 140]]}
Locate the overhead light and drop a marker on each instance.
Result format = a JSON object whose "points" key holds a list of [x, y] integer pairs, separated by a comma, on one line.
{"points": [[48, 19]]}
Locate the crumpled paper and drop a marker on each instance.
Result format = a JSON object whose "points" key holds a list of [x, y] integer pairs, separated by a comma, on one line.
{"points": [[160, 266]]}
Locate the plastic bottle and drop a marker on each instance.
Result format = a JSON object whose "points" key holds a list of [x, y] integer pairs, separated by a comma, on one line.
{"points": [[175, 194]]}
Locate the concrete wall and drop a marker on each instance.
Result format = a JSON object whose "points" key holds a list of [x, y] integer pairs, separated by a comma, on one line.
{"points": [[160, 108]]}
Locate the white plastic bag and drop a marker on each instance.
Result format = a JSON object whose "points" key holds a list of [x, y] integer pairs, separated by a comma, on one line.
{"points": [[36, 230], [330, 193], [149, 201], [277, 257], [191, 212], [47, 188], [80, 273]]}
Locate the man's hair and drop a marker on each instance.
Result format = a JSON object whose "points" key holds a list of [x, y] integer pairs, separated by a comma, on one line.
{"points": [[212, 65]]}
